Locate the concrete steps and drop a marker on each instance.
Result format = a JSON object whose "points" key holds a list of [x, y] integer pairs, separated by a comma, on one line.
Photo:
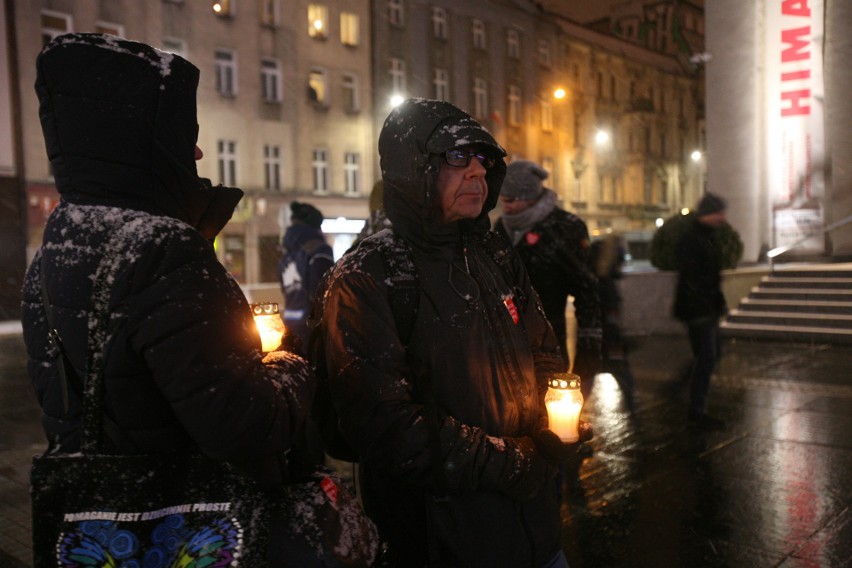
{"points": [[801, 304]]}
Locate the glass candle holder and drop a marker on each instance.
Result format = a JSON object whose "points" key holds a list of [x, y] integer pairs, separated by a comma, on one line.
{"points": [[269, 325], [564, 402]]}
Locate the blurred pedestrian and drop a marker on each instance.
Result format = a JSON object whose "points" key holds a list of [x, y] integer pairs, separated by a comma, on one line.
{"points": [[377, 220], [446, 406], [182, 371], [307, 256], [699, 301], [554, 247], [607, 257]]}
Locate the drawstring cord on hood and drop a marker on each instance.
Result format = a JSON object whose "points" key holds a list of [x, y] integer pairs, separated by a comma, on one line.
{"points": [[470, 300]]}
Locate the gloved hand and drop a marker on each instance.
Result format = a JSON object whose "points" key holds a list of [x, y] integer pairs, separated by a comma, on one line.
{"points": [[517, 469], [555, 450]]}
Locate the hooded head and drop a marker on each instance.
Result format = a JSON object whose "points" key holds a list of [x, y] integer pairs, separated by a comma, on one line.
{"points": [[306, 214], [120, 126], [413, 138]]}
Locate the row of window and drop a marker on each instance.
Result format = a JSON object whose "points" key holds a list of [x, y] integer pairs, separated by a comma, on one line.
{"points": [[440, 30], [272, 166], [226, 69]]}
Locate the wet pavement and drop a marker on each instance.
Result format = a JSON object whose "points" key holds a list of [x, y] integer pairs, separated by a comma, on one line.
{"points": [[771, 489]]}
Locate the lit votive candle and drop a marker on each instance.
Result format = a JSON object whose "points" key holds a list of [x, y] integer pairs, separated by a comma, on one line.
{"points": [[269, 325], [564, 402]]}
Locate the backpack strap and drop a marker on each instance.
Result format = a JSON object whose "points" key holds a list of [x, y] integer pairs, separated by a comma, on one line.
{"points": [[403, 291]]}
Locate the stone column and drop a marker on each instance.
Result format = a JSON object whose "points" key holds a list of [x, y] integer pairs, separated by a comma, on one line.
{"points": [[735, 118], [838, 118]]}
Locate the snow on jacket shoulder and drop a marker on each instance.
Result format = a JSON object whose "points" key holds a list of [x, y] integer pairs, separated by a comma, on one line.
{"points": [[181, 360]]}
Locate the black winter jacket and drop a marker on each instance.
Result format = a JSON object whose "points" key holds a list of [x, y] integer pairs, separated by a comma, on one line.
{"points": [[699, 299], [484, 370], [181, 359], [555, 252]]}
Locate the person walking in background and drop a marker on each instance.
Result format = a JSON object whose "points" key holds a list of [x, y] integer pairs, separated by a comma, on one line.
{"points": [[607, 257], [306, 258], [182, 371], [699, 301], [446, 406], [554, 247], [377, 220]]}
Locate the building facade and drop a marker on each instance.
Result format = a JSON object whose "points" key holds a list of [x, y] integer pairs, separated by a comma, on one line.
{"points": [[616, 122], [293, 94]]}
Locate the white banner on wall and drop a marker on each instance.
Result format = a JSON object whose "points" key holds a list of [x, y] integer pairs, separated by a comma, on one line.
{"points": [[795, 98]]}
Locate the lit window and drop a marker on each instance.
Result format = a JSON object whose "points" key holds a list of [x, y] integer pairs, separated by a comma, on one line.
{"points": [[53, 24], [318, 86], [225, 7], [480, 98], [349, 29], [270, 13], [351, 100], [546, 115], [271, 166], [439, 22], [514, 104], [226, 73], [174, 45], [396, 15], [317, 21], [227, 150], [352, 174], [397, 75], [320, 167], [442, 84], [478, 29], [109, 28], [513, 44], [270, 80], [544, 53]]}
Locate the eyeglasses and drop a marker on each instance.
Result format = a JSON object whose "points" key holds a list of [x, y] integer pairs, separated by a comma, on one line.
{"points": [[459, 158]]}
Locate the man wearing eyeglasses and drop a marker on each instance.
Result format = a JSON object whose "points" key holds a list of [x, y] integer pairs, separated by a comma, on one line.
{"points": [[445, 405]]}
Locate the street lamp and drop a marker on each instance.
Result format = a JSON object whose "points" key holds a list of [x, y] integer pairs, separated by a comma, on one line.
{"points": [[696, 155], [560, 93], [601, 137]]}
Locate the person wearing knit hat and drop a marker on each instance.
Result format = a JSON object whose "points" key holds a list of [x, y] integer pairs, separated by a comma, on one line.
{"points": [[306, 258], [710, 204], [699, 302], [554, 246], [306, 213]]}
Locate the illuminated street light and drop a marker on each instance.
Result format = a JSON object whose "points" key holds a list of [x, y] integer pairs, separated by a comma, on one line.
{"points": [[696, 155], [684, 211], [601, 138], [559, 93], [659, 222], [217, 7], [396, 100]]}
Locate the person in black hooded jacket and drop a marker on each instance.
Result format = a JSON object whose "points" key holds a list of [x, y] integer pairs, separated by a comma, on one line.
{"points": [[306, 258], [182, 366], [457, 466]]}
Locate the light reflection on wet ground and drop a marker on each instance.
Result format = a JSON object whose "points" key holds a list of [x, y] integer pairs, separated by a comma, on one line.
{"points": [[771, 489]]}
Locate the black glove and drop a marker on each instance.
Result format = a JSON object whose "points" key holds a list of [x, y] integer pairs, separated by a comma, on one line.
{"points": [[517, 469], [555, 450]]}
